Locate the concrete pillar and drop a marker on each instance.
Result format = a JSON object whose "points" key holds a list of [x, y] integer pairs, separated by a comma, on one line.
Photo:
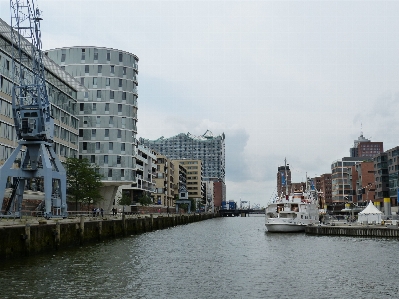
{"points": [[378, 205], [108, 193], [387, 207]]}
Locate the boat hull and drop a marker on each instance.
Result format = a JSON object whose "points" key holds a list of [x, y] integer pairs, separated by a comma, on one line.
{"points": [[285, 228]]}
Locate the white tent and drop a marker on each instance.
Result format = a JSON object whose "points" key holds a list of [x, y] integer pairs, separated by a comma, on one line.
{"points": [[370, 214]]}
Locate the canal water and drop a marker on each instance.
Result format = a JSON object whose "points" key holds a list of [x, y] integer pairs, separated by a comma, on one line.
{"points": [[218, 258]]}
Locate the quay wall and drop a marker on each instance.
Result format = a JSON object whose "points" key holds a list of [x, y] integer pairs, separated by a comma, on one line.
{"points": [[30, 239], [388, 231]]}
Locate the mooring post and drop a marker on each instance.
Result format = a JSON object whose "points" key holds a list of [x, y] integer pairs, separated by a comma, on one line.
{"points": [[27, 238], [57, 234], [81, 229]]}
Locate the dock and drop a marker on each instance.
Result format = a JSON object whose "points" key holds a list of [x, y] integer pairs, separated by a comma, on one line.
{"points": [[355, 230]]}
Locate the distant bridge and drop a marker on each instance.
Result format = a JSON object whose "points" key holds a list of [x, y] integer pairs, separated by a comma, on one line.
{"points": [[240, 212]]}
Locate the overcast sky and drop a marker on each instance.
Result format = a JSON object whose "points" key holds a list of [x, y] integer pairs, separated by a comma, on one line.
{"points": [[294, 79]]}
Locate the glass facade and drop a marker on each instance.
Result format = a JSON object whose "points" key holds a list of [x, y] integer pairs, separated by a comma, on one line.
{"points": [[108, 111]]}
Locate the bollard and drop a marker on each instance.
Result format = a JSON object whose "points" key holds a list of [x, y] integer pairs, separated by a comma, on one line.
{"points": [[81, 229]]}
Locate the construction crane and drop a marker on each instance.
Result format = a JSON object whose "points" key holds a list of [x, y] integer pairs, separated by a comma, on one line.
{"points": [[34, 124]]}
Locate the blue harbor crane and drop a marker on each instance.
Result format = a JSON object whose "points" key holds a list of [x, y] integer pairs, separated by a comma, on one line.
{"points": [[34, 124]]}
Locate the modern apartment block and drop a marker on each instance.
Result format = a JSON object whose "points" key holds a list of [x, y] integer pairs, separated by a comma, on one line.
{"points": [[207, 148], [146, 169], [381, 176], [365, 183], [63, 92], [194, 178], [341, 184], [107, 111], [393, 172], [165, 181]]}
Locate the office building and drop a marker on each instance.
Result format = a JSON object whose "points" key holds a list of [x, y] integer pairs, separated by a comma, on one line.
{"points": [[63, 92], [107, 111]]}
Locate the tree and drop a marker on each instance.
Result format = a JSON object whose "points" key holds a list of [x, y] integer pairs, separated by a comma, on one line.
{"points": [[83, 181], [145, 199], [124, 199]]}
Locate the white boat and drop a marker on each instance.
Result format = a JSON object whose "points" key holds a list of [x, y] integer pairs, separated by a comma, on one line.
{"points": [[292, 213]]}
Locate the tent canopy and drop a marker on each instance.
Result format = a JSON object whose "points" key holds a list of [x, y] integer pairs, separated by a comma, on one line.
{"points": [[370, 209]]}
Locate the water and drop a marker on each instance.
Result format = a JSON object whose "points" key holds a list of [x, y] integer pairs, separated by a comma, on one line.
{"points": [[218, 258]]}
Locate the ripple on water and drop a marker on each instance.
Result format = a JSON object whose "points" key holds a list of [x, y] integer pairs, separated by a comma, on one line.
{"points": [[218, 258]]}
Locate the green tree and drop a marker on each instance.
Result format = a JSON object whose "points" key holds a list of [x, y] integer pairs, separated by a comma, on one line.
{"points": [[124, 199], [83, 181], [145, 199]]}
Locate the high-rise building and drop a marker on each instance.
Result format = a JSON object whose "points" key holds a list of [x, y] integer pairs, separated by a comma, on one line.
{"points": [[207, 148], [382, 178], [63, 92], [283, 180], [363, 147], [107, 111]]}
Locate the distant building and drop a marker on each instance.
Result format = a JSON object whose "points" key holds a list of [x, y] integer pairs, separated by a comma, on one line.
{"points": [[363, 147], [283, 180], [365, 183], [381, 177], [393, 171], [341, 184], [325, 188], [207, 148]]}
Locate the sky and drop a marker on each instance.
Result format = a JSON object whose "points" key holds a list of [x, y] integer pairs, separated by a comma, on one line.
{"points": [[282, 79]]}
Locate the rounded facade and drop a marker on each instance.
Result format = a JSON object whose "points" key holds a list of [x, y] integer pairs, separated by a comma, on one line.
{"points": [[107, 110]]}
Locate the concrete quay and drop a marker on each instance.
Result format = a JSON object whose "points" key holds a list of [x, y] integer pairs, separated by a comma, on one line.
{"points": [[31, 235], [355, 230]]}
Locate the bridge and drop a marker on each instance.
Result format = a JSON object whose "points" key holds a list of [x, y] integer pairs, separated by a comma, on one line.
{"points": [[240, 212]]}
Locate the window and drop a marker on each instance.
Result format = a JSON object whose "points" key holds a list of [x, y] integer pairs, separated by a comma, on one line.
{"points": [[99, 69], [107, 82], [122, 173], [120, 82], [112, 69], [118, 159], [85, 146], [93, 133], [92, 159], [94, 80], [98, 120], [105, 159], [106, 133], [95, 54], [97, 146], [98, 94], [83, 54], [63, 55], [120, 57], [119, 134], [107, 107], [111, 120], [81, 107], [110, 173], [122, 147], [82, 81], [94, 107], [80, 132], [86, 94], [119, 108], [108, 55], [124, 71], [86, 69], [111, 95], [111, 146], [123, 96]]}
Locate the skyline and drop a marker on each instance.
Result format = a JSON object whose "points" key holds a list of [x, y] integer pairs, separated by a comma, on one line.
{"points": [[294, 79]]}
